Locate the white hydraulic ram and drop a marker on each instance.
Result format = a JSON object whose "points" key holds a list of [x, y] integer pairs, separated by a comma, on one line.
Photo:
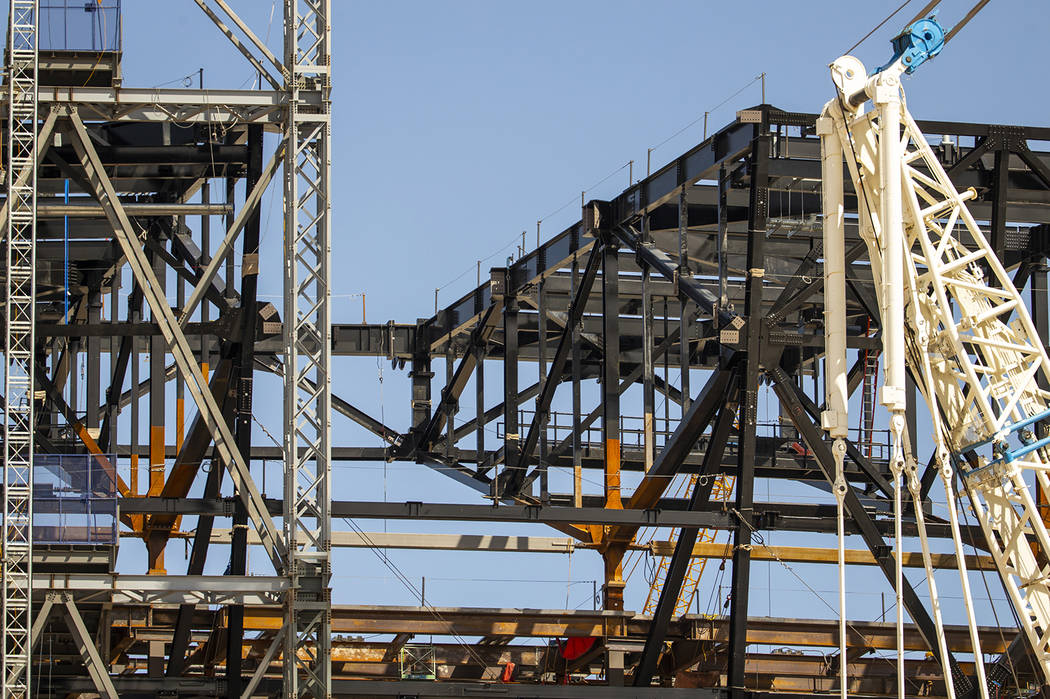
{"points": [[952, 315]]}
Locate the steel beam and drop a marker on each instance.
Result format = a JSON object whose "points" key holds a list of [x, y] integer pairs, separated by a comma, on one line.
{"points": [[1001, 183], [754, 335], [171, 589], [434, 690], [511, 428], [433, 542]]}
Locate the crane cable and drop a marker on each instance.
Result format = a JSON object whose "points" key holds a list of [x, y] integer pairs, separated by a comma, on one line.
{"points": [[924, 12], [879, 25], [958, 27], [965, 20]]}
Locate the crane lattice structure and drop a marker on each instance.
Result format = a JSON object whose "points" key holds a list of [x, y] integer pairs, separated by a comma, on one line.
{"points": [[308, 347], [19, 307], [951, 312]]}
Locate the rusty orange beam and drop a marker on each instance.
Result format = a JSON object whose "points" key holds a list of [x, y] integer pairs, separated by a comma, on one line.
{"points": [[158, 528]]}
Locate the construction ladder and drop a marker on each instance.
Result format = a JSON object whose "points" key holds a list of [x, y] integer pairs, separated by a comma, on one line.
{"points": [[867, 405]]}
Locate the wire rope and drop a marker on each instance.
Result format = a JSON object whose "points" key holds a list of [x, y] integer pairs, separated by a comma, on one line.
{"points": [[878, 27]]}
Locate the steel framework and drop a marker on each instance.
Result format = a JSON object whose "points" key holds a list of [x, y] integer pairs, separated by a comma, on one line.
{"points": [[699, 284]]}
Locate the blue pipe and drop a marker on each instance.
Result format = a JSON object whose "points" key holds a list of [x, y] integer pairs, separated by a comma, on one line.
{"points": [[1012, 427], [1026, 449], [65, 248]]}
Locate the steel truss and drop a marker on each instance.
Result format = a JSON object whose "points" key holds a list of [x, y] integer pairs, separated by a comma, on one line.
{"points": [[760, 342]]}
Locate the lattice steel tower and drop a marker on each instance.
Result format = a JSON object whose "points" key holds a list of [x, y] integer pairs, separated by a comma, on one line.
{"points": [[20, 245], [308, 341]]}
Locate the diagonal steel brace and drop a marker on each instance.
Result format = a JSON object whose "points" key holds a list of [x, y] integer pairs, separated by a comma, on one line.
{"points": [[179, 347], [250, 204], [238, 44]]}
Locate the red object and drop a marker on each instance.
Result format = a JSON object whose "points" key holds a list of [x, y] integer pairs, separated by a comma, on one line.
{"points": [[575, 646], [508, 672]]}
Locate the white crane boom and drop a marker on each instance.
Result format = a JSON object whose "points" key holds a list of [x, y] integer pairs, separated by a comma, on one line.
{"points": [[952, 315]]}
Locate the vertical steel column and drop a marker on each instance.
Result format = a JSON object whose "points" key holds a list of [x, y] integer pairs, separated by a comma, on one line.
{"points": [[58, 348], [757, 211], [648, 387], [242, 351], [308, 345], [94, 357], [541, 308], [667, 368], [479, 402], [71, 373], [421, 376], [450, 371], [116, 385], [228, 219], [157, 385], [1001, 180], [613, 556], [134, 316], [16, 569], [577, 454], [723, 236], [684, 272], [511, 427], [180, 382], [611, 371]]}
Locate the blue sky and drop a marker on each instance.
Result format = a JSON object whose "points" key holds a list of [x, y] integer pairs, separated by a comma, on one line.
{"points": [[457, 125]]}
